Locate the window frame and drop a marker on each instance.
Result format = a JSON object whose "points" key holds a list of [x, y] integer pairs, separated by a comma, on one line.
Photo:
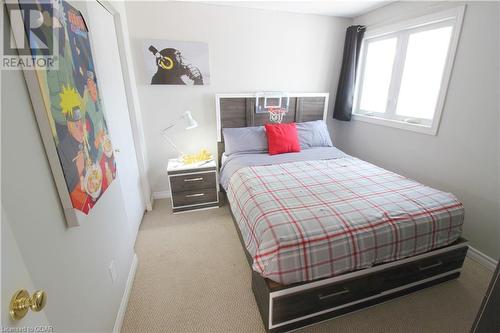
{"points": [[401, 30]]}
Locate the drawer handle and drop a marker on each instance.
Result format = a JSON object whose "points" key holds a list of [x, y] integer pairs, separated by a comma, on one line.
{"points": [[423, 268], [195, 195], [337, 293], [193, 179]]}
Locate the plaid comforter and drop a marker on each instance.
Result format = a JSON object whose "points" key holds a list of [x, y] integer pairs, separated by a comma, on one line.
{"points": [[307, 220]]}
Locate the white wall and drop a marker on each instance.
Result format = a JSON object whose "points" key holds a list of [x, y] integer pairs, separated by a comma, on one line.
{"points": [[463, 157], [71, 265], [250, 50]]}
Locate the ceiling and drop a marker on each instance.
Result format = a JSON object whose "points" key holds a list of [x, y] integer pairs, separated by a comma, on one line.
{"points": [[344, 8]]}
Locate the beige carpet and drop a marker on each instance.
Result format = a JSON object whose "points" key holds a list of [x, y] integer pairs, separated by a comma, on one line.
{"points": [[193, 277]]}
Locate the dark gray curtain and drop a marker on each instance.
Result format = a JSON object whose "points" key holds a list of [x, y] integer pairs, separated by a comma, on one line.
{"points": [[347, 80]]}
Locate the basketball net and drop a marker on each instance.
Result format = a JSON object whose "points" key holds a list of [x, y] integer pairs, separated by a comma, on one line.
{"points": [[276, 115]]}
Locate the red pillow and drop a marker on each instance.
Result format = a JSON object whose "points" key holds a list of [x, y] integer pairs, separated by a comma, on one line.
{"points": [[282, 138]]}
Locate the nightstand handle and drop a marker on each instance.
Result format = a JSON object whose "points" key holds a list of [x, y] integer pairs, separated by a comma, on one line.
{"points": [[193, 179], [195, 195]]}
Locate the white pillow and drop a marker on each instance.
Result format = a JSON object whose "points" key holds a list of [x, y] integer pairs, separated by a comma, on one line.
{"points": [[245, 140], [313, 134]]}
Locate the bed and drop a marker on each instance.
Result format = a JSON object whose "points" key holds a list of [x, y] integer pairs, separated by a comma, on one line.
{"points": [[326, 233]]}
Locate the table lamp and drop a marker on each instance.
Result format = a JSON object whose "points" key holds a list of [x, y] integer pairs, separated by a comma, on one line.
{"points": [[189, 123]]}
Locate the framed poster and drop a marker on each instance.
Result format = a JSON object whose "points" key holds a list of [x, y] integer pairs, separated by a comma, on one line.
{"points": [[67, 103], [176, 62]]}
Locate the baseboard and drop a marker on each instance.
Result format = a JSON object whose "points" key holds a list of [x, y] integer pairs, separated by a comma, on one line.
{"points": [[482, 258], [161, 194], [149, 205], [126, 295]]}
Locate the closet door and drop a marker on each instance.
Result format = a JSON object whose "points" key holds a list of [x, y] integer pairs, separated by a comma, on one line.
{"points": [[15, 276], [111, 83]]}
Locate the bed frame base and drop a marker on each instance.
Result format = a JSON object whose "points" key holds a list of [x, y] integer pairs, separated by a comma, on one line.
{"points": [[285, 308], [365, 303]]}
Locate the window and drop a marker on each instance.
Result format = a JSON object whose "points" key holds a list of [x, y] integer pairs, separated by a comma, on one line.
{"points": [[404, 71]]}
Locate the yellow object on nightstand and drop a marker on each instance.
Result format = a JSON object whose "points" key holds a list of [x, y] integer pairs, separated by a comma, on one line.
{"points": [[202, 155]]}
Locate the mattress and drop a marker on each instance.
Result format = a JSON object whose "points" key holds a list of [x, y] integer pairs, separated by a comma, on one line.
{"points": [[232, 163], [308, 219]]}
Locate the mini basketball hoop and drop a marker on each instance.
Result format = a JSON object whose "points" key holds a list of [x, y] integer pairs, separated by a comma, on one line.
{"points": [[276, 114], [274, 103]]}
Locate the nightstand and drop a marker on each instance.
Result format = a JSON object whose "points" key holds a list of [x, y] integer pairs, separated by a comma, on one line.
{"points": [[193, 186]]}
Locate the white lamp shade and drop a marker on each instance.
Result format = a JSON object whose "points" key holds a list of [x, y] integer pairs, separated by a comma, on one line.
{"points": [[190, 122]]}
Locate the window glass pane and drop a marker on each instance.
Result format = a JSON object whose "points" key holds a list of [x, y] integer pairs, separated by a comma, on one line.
{"points": [[425, 60], [377, 75]]}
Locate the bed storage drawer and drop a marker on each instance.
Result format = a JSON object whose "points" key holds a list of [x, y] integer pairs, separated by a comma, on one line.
{"points": [[300, 304], [423, 269], [183, 183], [303, 303]]}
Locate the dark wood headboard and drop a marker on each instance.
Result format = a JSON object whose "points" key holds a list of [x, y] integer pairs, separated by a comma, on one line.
{"points": [[239, 110]]}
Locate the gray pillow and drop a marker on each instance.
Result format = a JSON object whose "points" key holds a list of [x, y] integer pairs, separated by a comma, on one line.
{"points": [[245, 140], [313, 134]]}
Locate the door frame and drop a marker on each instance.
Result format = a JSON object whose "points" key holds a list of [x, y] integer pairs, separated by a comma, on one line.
{"points": [[133, 102]]}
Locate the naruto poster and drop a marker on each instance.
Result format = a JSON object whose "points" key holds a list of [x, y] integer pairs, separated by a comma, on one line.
{"points": [[74, 110], [177, 62]]}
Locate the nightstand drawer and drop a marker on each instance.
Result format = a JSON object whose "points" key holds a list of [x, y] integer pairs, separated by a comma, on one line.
{"points": [[194, 197], [205, 180]]}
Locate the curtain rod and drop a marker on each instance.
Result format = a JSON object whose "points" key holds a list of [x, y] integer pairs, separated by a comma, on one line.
{"points": [[360, 27]]}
